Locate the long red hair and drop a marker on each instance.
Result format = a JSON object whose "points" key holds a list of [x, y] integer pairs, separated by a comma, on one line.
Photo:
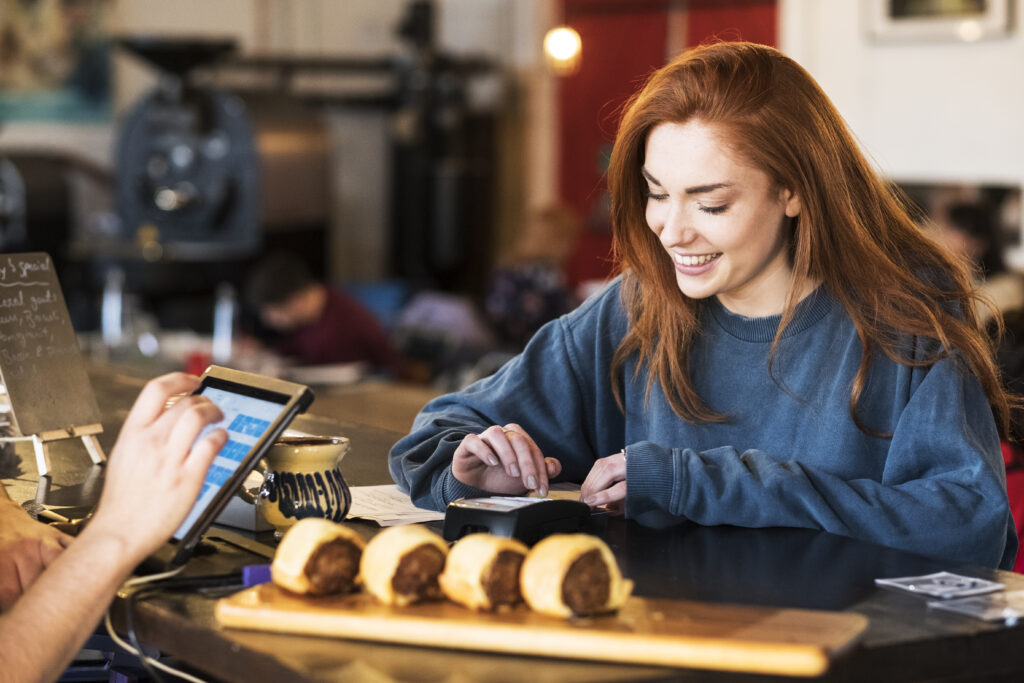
{"points": [[853, 234]]}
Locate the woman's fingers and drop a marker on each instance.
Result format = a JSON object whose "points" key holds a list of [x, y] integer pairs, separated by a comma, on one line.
{"points": [[475, 447], [529, 449], [513, 427], [518, 455], [502, 448], [503, 459], [597, 479], [471, 465], [606, 474], [533, 469], [553, 466], [611, 497]]}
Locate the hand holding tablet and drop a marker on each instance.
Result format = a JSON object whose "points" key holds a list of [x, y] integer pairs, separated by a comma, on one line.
{"points": [[254, 411], [164, 460], [156, 467]]}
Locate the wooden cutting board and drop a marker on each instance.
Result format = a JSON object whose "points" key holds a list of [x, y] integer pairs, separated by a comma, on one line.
{"points": [[673, 633]]}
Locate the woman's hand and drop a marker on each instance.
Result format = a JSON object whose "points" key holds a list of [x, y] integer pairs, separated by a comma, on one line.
{"points": [[503, 460], [157, 467], [606, 484]]}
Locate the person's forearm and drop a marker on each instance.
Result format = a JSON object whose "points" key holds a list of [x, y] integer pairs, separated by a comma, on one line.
{"points": [[158, 449], [51, 621]]}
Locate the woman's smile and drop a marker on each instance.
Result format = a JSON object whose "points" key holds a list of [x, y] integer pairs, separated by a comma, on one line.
{"points": [[693, 260]]}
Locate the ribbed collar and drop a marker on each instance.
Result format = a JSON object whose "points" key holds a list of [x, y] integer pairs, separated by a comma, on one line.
{"points": [[810, 310]]}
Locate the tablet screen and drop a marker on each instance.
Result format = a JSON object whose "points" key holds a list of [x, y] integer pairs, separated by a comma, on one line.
{"points": [[246, 419]]}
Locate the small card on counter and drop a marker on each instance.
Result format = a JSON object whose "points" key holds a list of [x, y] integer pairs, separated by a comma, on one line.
{"points": [[1006, 607], [942, 585]]}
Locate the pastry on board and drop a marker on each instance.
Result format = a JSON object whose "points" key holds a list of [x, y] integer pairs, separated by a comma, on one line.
{"points": [[318, 557], [573, 575], [401, 564], [482, 571]]}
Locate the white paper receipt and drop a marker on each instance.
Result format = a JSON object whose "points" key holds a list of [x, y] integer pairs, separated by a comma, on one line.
{"points": [[944, 585], [388, 506]]}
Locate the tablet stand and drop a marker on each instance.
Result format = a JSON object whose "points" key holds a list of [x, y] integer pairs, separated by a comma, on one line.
{"points": [[40, 441]]}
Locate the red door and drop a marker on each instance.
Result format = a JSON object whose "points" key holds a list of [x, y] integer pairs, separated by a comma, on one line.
{"points": [[623, 41]]}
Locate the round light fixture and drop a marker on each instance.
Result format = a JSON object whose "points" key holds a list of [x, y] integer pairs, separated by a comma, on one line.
{"points": [[562, 48]]}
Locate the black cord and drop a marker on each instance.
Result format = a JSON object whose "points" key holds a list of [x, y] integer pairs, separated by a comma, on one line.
{"points": [[231, 580], [129, 625]]}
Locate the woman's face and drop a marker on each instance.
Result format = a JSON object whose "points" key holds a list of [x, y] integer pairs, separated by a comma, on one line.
{"points": [[721, 221]]}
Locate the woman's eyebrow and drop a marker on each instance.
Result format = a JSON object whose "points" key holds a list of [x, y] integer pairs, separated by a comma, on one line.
{"points": [[696, 189], [700, 189], [649, 177]]}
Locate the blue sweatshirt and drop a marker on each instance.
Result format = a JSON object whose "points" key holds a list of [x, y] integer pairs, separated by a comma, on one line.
{"points": [[789, 455]]}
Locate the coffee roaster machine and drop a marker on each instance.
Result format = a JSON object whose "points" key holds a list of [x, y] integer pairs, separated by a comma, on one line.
{"points": [[186, 160], [204, 182], [210, 174]]}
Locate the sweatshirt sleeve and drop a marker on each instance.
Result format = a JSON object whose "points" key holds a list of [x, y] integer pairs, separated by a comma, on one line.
{"points": [[540, 389], [942, 492]]}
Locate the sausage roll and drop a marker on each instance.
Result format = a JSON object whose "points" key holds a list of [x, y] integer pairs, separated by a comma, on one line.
{"points": [[573, 575], [318, 557], [401, 564], [482, 571]]}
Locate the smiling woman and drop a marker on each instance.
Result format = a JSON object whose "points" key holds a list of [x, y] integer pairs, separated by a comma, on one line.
{"points": [[724, 224], [784, 348]]}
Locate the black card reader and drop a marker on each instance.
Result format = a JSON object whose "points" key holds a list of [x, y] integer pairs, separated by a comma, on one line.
{"points": [[528, 519]]}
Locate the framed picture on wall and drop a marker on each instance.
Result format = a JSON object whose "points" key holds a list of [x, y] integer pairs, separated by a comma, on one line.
{"points": [[944, 20], [55, 61]]}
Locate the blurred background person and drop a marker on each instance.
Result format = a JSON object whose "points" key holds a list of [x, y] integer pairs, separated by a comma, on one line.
{"points": [[528, 287], [307, 321], [972, 229]]}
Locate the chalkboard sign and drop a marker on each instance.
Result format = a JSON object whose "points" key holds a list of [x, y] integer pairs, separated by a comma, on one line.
{"points": [[39, 357]]}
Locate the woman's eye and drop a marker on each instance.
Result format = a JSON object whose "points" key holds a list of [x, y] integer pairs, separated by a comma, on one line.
{"points": [[714, 209], [656, 196]]}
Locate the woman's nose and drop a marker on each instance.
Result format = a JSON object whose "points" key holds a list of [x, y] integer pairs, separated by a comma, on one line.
{"points": [[676, 229]]}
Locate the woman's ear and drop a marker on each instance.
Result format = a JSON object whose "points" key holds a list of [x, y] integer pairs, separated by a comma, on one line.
{"points": [[793, 205]]}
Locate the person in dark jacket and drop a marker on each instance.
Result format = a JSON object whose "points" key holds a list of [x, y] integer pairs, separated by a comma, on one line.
{"points": [[312, 323]]}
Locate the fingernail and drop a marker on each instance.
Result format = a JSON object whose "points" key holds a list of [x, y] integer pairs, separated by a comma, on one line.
{"points": [[543, 491], [531, 482], [513, 470], [492, 461], [586, 501]]}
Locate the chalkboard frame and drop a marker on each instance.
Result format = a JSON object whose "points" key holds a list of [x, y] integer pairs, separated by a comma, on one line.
{"points": [[40, 361]]}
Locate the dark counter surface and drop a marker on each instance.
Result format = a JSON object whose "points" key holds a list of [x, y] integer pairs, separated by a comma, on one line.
{"points": [[769, 567]]}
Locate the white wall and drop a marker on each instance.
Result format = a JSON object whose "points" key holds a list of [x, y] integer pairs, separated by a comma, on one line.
{"points": [[938, 111]]}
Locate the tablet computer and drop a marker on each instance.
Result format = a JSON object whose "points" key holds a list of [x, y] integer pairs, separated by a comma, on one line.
{"points": [[257, 409]]}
